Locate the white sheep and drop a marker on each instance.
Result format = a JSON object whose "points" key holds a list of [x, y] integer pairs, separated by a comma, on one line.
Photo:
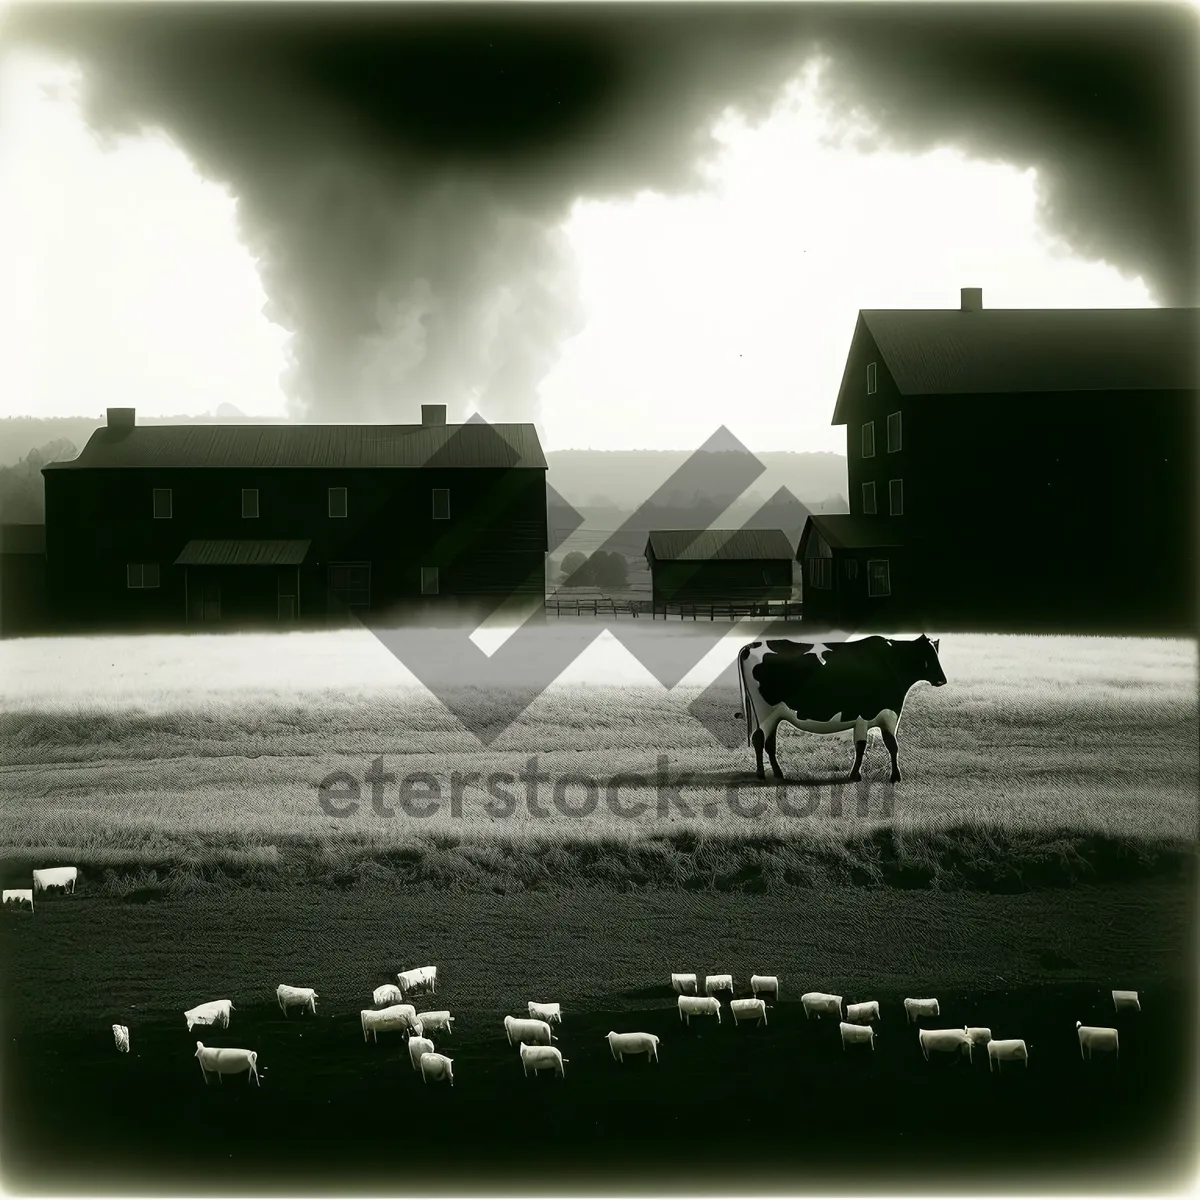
{"points": [[418, 1046], [19, 896], [1097, 1037], [746, 1010], [419, 979], [717, 983], [921, 1008], [765, 983], [213, 1012], [48, 877], [430, 1021], [863, 1013], [1008, 1050], [389, 993], [296, 997], [121, 1038], [385, 1020], [225, 1060], [546, 1012], [856, 1034], [698, 1006], [948, 1041], [536, 1033], [437, 1067], [1120, 999], [542, 1058], [622, 1044], [980, 1035], [683, 983], [822, 1004]]}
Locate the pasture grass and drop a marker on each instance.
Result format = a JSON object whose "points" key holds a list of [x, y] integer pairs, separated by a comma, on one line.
{"points": [[1046, 760]]}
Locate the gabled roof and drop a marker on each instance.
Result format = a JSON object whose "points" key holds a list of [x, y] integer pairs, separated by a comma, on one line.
{"points": [[23, 539], [1014, 350], [704, 545], [853, 531], [473, 444], [243, 552]]}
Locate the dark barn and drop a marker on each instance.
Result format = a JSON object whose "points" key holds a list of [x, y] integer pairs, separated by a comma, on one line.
{"points": [[1023, 469], [851, 565], [719, 566], [22, 579], [235, 525]]}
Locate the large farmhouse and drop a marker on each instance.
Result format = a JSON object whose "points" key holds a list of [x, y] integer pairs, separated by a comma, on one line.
{"points": [[1010, 468], [210, 525]]}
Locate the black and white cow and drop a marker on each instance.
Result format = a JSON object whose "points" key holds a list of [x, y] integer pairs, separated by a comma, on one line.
{"points": [[828, 687]]}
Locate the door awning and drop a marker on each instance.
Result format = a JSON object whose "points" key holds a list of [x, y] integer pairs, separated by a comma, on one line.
{"points": [[243, 552]]}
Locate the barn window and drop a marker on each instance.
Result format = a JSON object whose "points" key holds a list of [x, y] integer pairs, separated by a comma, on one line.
{"points": [[249, 502], [896, 497], [141, 575], [339, 504], [879, 578], [868, 490], [870, 379], [441, 504], [429, 581], [893, 432], [162, 504], [820, 572], [868, 440]]}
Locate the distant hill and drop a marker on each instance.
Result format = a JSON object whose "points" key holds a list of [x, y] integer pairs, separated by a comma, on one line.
{"points": [[22, 492]]}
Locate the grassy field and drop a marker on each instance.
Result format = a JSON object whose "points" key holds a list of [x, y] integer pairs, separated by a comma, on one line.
{"points": [[167, 765], [744, 1110]]}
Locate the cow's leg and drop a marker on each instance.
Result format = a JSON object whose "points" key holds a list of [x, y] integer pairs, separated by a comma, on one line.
{"points": [[860, 747], [888, 721], [776, 769], [757, 739]]}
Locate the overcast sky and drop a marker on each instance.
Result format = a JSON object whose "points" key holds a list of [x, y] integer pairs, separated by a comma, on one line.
{"points": [[628, 224]]}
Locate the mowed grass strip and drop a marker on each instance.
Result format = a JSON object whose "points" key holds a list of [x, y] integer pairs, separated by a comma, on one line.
{"points": [[1045, 760]]}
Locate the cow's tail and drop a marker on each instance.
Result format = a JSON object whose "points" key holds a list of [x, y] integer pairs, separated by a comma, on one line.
{"points": [[747, 709]]}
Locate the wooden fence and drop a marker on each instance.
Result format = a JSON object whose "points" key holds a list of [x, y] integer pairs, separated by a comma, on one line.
{"points": [[789, 610]]}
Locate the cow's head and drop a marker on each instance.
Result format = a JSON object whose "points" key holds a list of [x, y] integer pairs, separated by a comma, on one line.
{"points": [[930, 664]]}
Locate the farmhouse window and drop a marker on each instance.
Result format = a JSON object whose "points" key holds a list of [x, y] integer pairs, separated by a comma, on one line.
{"points": [[429, 581], [249, 502], [893, 432], [868, 490], [162, 504], [870, 379], [141, 575], [868, 440], [349, 585], [441, 504], [339, 505], [896, 497], [820, 572], [879, 579]]}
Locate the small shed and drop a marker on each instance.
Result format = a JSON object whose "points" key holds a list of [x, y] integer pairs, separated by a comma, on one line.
{"points": [[719, 566], [853, 568], [22, 578]]}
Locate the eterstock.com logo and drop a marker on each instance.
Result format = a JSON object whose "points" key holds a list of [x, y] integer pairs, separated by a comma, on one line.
{"points": [[453, 668], [503, 795]]}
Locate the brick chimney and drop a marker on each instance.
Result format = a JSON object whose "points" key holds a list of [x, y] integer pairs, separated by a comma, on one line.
{"points": [[972, 299], [120, 420], [433, 414]]}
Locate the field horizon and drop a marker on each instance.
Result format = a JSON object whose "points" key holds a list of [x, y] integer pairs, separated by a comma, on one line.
{"points": [[1045, 761]]}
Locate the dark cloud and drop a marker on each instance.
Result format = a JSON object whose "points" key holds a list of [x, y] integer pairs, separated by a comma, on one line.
{"points": [[401, 170]]}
